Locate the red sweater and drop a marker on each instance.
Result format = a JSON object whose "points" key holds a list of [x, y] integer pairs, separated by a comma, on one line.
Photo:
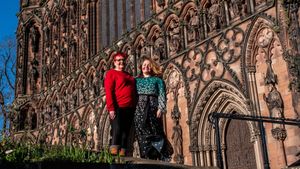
{"points": [[120, 89]]}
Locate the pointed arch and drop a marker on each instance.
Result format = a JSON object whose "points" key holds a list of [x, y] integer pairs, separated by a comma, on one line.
{"points": [[188, 6], [138, 40], [169, 19], [218, 96], [254, 29], [103, 127], [154, 30]]}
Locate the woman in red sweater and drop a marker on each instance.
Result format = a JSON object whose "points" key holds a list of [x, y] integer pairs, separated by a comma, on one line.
{"points": [[120, 101]]}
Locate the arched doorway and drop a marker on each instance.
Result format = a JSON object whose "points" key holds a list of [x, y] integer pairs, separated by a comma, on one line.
{"points": [[239, 150]]}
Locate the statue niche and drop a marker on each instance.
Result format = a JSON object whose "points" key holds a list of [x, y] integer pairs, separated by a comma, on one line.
{"points": [[34, 37]]}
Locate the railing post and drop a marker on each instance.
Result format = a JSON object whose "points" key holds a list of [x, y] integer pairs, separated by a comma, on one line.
{"points": [[218, 140], [264, 145]]}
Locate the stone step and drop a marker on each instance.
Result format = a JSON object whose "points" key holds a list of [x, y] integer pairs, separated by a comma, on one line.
{"points": [[156, 163]]}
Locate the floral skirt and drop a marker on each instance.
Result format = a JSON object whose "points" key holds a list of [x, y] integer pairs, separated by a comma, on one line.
{"points": [[152, 141]]}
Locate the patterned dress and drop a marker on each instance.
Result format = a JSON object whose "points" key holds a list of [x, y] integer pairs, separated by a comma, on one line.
{"points": [[149, 129]]}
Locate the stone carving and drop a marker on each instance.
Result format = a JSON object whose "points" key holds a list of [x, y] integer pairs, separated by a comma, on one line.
{"points": [[177, 134], [55, 30], [63, 61], [193, 26], [214, 15], [83, 92], [54, 70], [173, 79], [259, 2], [74, 99], [144, 48], [274, 101], [292, 55], [65, 103], [161, 3], [35, 38], [64, 20], [174, 38], [98, 82], [265, 38], [72, 11], [46, 30], [34, 74], [84, 40], [192, 64], [84, 6], [275, 106], [159, 50], [177, 141], [45, 72], [73, 57], [237, 8]]}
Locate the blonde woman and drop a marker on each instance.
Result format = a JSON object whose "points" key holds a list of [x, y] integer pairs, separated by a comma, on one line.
{"points": [[151, 105]]}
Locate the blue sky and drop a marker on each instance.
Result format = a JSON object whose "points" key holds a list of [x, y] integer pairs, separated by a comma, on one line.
{"points": [[8, 22]]}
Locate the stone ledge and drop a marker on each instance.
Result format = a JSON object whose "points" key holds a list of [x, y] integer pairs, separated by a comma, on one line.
{"points": [[131, 160]]}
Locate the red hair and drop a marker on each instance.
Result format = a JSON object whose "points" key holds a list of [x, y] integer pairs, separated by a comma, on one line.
{"points": [[119, 54]]}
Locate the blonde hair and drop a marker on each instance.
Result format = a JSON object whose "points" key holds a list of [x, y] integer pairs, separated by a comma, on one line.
{"points": [[155, 69]]}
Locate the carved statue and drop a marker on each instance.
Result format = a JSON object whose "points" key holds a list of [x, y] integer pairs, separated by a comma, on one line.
{"points": [[274, 102], [34, 75], [64, 20], [84, 40], [238, 8], [214, 15], [193, 24], [74, 99], [35, 38], [46, 30], [97, 81], [159, 49], [72, 51], [174, 29], [161, 3], [83, 7], [177, 141], [45, 72], [72, 11]]}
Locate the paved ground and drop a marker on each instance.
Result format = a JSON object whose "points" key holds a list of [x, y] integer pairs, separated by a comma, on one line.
{"points": [[131, 160]]}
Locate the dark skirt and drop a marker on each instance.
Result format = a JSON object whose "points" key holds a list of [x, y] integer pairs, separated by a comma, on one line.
{"points": [[152, 141]]}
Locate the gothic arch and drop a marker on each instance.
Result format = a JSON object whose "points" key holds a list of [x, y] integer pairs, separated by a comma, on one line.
{"points": [[206, 104], [169, 68], [86, 113], [126, 48], [80, 78], [217, 96], [102, 64], [153, 32], [169, 19], [257, 25], [103, 129], [90, 72], [138, 40], [71, 84], [188, 6], [203, 3]]}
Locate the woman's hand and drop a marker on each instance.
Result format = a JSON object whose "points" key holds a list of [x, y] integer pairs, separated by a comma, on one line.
{"points": [[112, 114], [158, 113]]}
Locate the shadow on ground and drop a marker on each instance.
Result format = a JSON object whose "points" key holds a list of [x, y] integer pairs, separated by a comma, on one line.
{"points": [[122, 163]]}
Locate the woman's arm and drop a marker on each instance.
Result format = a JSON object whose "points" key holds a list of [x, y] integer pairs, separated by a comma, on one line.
{"points": [[109, 86], [162, 100]]}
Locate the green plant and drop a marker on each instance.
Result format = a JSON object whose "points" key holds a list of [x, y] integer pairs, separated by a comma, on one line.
{"points": [[27, 153]]}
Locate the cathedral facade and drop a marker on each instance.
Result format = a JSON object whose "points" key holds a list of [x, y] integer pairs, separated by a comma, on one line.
{"points": [[236, 57]]}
